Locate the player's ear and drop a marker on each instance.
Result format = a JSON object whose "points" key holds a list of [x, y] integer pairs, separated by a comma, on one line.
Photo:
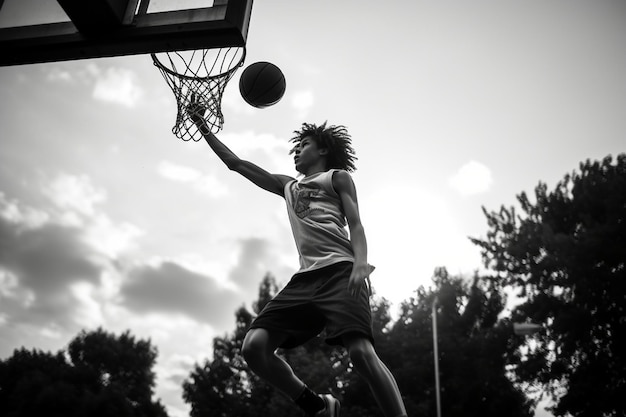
{"points": [[323, 151]]}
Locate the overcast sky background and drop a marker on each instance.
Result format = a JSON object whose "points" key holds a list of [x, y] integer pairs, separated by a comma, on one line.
{"points": [[106, 219]]}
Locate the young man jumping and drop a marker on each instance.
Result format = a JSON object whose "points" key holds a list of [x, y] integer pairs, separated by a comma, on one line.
{"points": [[331, 289]]}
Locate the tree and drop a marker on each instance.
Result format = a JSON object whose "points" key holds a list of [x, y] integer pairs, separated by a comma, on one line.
{"points": [[566, 257], [473, 344], [122, 364], [101, 381], [221, 386], [35, 382], [224, 386]]}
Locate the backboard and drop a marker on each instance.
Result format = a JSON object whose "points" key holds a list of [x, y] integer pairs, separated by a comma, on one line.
{"points": [[36, 31]]}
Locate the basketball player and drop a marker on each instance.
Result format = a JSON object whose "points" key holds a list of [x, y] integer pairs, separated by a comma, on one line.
{"points": [[330, 290]]}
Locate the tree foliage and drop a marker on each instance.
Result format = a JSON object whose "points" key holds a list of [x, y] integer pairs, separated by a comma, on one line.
{"points": [[102, 376], [472, 344], [566, 255], [224, 386], [473, 356]]}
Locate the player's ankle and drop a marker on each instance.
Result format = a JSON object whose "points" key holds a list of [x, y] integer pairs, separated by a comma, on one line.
{"points": [[309, 401]]}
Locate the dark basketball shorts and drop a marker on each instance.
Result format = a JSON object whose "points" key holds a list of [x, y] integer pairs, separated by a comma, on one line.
{"points": [[317, 300]]}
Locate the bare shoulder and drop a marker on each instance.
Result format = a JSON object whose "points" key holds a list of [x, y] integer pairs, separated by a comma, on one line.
{"points": [[282, 181], [344, 186], [343, 183]]}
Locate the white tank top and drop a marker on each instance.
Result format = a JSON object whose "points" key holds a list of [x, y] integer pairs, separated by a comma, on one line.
{"points": [[317, 221]]}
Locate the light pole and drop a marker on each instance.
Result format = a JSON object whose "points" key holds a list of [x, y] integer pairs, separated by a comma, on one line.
{"points": [[523, 329], [436, 354]]}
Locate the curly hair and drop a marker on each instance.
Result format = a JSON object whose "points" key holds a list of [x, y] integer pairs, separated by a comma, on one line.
{"points": [[336, 139]]}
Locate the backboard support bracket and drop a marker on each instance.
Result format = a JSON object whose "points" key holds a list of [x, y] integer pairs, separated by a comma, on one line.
{"points": [[95, 16]]}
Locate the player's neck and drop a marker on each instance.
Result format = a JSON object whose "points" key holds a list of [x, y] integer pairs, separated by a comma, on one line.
{"points": [[315, 169]]}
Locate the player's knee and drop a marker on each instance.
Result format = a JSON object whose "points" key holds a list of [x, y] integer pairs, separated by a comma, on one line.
{"points": [[254, 347], [249, 348]]}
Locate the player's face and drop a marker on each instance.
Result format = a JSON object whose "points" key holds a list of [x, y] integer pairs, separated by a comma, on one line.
{"points": [[306, 154]]}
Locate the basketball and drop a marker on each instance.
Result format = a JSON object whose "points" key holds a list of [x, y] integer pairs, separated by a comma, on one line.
{"points": [[262, 84]]}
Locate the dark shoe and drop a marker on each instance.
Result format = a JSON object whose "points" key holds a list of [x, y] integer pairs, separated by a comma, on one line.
{"points": [[332, 406]]}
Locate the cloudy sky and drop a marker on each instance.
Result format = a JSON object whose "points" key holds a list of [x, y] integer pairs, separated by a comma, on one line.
{"points": [[106, 219]]}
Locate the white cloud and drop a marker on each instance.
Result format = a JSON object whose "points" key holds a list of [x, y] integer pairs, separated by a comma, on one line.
{"points": [[25, 216], [208, 265], [8, 283], [88, 308], [249, 141], [203, 183], [269, 151], [118, 85], [77, 198], [110, 238], [59, 74], [234, 103], [75, 193], [58, 276], [302, 101], [472, 178], [39, 265], [182, 342], [176, 172], [254, 261], [84, 75]]}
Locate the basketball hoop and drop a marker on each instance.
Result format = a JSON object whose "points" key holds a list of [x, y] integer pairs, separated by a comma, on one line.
{"points": [[199, 76]]}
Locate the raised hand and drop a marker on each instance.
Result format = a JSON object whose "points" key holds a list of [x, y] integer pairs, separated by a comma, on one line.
{"points": [[196, 110]]}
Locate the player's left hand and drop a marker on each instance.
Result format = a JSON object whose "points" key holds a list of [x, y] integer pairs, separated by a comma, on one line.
{"points": [[359, 278]]}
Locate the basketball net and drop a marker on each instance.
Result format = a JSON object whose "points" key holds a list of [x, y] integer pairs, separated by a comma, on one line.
{"points": [[199, 75]]}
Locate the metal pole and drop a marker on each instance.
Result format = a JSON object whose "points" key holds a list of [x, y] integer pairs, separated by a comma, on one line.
{"points": [[436, 354], [523, 329]]}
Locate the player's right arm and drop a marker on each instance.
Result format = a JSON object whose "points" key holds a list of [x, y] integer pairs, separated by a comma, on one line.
{"points": [[260, 177], [273, 183]]}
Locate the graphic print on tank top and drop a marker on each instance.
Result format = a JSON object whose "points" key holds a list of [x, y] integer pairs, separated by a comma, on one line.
{"points": [[303, 194]]}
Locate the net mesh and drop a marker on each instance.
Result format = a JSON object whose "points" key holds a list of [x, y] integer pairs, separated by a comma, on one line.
{"points": [[199, 77]]}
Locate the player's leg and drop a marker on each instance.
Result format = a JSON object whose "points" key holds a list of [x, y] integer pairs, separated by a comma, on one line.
{"points": [[293, 319], [380, 380], [349, 323], [259, 351]]}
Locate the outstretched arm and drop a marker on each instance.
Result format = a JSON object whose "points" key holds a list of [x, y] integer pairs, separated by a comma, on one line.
{"points": [[273, 183], [343, 184]]}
